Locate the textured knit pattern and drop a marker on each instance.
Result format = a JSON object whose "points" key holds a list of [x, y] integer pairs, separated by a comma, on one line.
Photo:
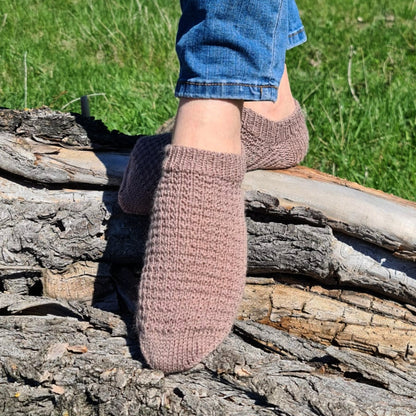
{"points": [[274, 144], [142, 174], [195, 264], [268, 145]]}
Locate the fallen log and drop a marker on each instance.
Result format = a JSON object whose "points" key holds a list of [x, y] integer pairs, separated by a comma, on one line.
{"points": [[328, 321]]}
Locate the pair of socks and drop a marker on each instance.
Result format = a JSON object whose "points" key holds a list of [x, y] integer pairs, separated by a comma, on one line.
{"points": [[268, 145], [195, 262]]}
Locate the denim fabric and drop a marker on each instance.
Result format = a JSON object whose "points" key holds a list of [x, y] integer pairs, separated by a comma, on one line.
{"points": [[235, 49]]}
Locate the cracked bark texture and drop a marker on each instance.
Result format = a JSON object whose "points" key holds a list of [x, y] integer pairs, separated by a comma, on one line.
{"points": [[328, 321]]}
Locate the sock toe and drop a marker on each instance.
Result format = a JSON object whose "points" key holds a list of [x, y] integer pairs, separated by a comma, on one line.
{"points": [[173, 353]]}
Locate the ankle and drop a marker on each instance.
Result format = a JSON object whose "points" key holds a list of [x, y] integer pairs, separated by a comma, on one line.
{"points": [[213, 125], [279, 110], [273, 111]]}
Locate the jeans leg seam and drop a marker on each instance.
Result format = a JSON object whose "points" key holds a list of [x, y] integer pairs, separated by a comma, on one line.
{"points": [[274, 39]]}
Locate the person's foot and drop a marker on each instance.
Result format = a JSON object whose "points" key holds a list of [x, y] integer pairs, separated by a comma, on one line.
{"points": [[268, 145], [195, 264]]}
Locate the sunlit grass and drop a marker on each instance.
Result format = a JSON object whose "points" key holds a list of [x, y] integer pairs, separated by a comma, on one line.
{"points": [[124, 50], [356, 78]]}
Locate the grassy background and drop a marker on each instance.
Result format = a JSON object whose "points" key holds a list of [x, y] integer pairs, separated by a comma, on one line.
{"points": [[125, 51]]}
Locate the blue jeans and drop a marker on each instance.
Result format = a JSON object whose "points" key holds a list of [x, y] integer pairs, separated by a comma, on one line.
{"points": [[235, 49]]}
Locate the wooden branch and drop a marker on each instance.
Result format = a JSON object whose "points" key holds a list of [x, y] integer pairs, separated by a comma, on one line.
{"points": [[314, 250], [327, 325], [46, 163], [372, 216]]}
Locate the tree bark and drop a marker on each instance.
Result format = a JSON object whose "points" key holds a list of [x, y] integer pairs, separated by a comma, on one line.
{"points": [[327, 325]]}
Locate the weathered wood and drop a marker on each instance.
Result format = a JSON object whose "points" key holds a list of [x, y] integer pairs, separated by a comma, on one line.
{"points": [[54, 229], [374, 217], [33, 152], [328, 321], [79, 364], [47, 163], [64, 129], [278, 243], [345, 318]]}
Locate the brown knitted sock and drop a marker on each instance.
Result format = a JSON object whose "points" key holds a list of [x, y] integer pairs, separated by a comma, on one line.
{"points": [[274, 144], [268, 144], [142, 174], [195, 263]]}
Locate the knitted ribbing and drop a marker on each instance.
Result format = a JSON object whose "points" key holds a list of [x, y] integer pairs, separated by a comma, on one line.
{"points": [[274, 144], [268, 145], [195, 263]]}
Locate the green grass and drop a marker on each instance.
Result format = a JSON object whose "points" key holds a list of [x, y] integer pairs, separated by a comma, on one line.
{"points": [[371, 141], [125, 50]]}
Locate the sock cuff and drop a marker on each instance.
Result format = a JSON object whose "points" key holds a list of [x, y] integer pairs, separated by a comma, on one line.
{"points": [[260, 126], [227, 166]]}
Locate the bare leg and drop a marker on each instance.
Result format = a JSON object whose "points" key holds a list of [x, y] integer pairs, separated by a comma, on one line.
{"points": [[279, 110], [207, 124]]}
